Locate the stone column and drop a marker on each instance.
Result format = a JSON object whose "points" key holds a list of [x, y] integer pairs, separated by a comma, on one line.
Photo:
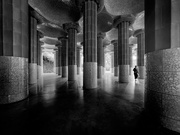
{"points": [[140, 52], [39, 62], [33, 56], [103, 64], [112, 62], [78, 59], [14, 50], [90, 44], [100, 51], [123, 23], [58, 60], [72, 29], [130, 59], [64, 57], [162, 81], [116, 67]]}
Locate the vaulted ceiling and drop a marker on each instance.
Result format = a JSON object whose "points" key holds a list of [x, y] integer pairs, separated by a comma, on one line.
{"points": [[52, 14]]}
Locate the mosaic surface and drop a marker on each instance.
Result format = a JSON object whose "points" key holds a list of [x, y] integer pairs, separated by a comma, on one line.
{"points": [[162, 86], [13, 79]]}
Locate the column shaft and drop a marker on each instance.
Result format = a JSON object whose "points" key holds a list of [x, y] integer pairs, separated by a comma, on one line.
{"points": [[130, 60], [140, 55], [64, 55], [112, 62], [33, 57], [72, 66], [123, 51], [100, 56], [59, 61], [116, 65], [90, 45], [162, 81], [78, 60], [14, 49]]}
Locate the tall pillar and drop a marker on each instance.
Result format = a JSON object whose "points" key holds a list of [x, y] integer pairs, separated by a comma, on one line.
{"points": [[116, 66], [112, 62], [130, 59], [123, 23], [162, 81], [64, 57], [103, 64], [58, 60], [56, 68], [39, 62], [33, 57], [72, 29], [90, 44], [100, 51], [140, 52], [14, 50], [78, 59]]}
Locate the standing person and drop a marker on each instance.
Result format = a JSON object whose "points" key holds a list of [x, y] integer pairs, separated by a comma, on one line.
{"points": [[135, 72]]}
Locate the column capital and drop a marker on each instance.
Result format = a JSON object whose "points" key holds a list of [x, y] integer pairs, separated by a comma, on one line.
{"points": [[100, 4], [137, 32], [123, 18], [101, 35], [114, 42], [68, 26]]}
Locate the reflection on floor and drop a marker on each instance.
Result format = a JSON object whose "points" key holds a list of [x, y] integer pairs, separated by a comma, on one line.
{"points": [[64, 108]]}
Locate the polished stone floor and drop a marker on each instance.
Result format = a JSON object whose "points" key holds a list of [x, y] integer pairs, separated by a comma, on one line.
{"points": [[64, 108]]}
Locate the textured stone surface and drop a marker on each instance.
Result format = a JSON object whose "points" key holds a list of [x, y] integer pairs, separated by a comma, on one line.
{"points": [[90, 75], [13, 79], [162, 86], [123, 73], [64, 71], [141, 72], [72, 72]]}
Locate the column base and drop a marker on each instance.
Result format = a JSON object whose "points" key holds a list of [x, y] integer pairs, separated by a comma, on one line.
{"points": [[59, 71], [78, 70], [64, 71], [162, 87], [100, 72], [40, 79], [33, 78], [141, 72], [13, 79], [123, 73], [72, 72], [116, 71], [90, 75]]}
